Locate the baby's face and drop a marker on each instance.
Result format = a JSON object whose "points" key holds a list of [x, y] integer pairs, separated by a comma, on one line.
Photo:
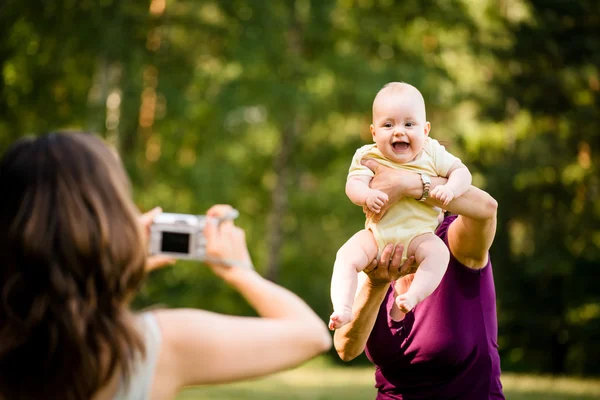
{"points": [[399, 127]]}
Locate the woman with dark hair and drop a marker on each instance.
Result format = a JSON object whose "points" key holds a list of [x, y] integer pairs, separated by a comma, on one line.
{"points": [[447, 346], [73, 254]]}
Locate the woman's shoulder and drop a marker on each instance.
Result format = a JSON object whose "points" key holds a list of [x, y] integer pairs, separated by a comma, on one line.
{"points": [[140, 383], [148, 324]]}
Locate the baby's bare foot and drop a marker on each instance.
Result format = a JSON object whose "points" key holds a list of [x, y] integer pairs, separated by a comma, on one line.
{"points": [[339, 319], [405, 302]]}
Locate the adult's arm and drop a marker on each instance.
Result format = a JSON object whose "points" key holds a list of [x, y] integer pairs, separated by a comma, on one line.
{"points": [[474, 203], [470, 236], [351, 339], [470, 240], [201, 347]]}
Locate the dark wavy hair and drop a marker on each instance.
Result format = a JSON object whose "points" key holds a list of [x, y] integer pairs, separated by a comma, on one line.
{"points": [[72, 255]]}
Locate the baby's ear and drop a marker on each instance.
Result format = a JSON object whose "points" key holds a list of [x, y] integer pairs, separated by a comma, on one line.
{"points": [[427, 128], [372, 128]]}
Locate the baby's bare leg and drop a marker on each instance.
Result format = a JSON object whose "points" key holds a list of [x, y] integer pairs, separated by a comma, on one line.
{"points": [[432, 256], [354, 256]]}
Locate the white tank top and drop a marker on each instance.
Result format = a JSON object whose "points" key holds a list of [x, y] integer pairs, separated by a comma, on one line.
{"points": [[140, 383]]}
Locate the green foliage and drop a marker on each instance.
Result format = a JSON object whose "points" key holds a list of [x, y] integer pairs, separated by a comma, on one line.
{"points": [[262, 104], [546, 180]]}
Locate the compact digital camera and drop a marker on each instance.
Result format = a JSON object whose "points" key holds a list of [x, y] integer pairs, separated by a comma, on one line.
{"points": [[182, 235]]}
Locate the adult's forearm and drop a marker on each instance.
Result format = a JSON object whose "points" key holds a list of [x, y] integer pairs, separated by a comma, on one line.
{"points": [[268, 299], [351, 339], [474, 203]]}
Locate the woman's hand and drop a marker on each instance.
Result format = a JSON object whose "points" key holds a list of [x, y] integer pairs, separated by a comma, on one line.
{"points": [[287, 333], [393, 182], [156, 261], [389, 266], [350, 340], [225, 243]]}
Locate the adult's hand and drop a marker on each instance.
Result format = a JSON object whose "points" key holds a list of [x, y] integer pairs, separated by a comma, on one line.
{"points": [[225, 243], [155, 261], [389, 267], [350, 340], [393, 182]]}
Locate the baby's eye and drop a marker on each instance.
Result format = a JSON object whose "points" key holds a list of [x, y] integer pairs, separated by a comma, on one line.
{"points": [[387, 125], [409, 124]]}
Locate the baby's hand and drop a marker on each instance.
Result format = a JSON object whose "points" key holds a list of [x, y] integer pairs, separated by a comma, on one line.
{"points": [[443, 194], [376, 200]]}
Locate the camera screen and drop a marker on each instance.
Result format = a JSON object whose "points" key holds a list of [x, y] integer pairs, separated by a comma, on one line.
{"points": [[175, 242]]}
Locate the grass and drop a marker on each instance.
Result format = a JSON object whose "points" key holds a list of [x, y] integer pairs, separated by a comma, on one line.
{"points": [[320, 380]]}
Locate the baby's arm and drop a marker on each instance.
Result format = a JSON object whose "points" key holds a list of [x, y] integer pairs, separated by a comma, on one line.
{"points": [[359, 192], [459, 181]]}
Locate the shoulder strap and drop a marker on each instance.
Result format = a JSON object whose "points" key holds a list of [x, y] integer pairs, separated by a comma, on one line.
{"points": [[140, 384]]}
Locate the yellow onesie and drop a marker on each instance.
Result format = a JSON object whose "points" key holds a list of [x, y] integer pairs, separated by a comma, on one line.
{"points": [[407, 218]]}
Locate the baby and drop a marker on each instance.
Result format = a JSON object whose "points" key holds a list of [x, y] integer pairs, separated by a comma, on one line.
{"points": [[401, 134]]}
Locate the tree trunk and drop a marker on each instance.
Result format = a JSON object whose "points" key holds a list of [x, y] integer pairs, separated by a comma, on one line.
{"points": [[282, 162], [279, 201]]}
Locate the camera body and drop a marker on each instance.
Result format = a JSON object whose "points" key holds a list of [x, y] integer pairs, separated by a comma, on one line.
{"points": [[179, 236]]}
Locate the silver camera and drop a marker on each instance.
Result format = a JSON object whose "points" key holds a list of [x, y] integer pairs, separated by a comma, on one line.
{"points": [[182, 235]]}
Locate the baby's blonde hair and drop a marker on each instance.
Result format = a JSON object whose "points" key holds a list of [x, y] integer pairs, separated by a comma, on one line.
{"points": [[400, 88]]}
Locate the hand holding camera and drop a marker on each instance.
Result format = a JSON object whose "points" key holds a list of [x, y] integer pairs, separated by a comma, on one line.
{"points": [[211, 238], [225, 242]]}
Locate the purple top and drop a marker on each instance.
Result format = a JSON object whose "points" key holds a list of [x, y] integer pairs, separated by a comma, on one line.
{"points": [[447, 346]]}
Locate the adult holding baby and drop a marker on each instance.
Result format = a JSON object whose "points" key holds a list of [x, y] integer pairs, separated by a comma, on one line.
{"points": [[74, 255], [401, 139], [446, 346]]}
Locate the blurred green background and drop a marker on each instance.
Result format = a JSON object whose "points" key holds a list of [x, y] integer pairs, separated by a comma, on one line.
{"points": [[261, 104]]}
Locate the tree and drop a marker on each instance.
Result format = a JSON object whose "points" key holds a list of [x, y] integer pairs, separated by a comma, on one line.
{"points": [[545, 178]]}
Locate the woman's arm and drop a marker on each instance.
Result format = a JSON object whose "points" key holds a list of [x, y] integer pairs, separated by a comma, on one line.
{"points": [[208, 348], [470, 239], [474, 203], [351, 339], [470, 236], [200, 347]]}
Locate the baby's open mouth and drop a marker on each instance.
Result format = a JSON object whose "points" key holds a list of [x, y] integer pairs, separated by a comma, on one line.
{"points": [[400, 146]]}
